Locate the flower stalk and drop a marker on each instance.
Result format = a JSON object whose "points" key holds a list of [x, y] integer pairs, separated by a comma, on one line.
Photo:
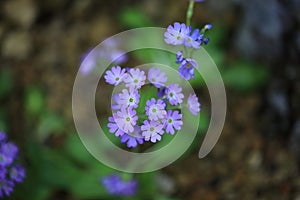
{"points": [[189, 12]]}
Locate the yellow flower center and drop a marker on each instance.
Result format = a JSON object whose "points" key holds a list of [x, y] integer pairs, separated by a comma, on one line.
{"points": [[132, 134]]}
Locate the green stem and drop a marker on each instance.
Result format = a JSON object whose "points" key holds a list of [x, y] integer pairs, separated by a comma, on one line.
{"points": [[189, 12]]}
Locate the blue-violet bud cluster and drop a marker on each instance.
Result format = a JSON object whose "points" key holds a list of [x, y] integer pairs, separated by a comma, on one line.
{"points": [[11, 172], [181, 34], [114, 185]]}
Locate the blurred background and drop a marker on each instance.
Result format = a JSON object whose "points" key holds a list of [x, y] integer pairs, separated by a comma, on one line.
{"points": [[256, 45]]}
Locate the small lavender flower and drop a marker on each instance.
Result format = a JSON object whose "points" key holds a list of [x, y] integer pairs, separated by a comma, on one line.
{"points": [[129, 98], [155, 109], [115, 75], [3, 172], [114, 128], [114, 185], [173, 121], [174, 94], [10, 171], [135, 79], [8, 153], [179, 57], [2, 136], [88, 62], [193, 104], [157, 77], [116, 104], [152, 130], [208, 27], [6, 187], [177, 34], [126, 119], [194, 40], [186, 69], [17, 173], [110, 51], [133, 138]]}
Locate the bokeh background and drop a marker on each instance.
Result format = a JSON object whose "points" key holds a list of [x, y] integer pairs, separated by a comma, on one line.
{"points": [[256, 45]]}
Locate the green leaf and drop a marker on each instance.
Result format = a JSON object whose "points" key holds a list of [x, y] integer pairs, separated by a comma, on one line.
{"points": [[34, 101], [50, 123]]}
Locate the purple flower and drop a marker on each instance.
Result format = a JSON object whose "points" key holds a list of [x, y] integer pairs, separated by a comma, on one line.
{"points": [[115, 75], [161, 92], [174, 94], [6, 187], [114, 185], [177, 34], [152, 130], [88, 62], [110, 51], [116, 104], [179, 57], [206, 41], [10, 171], [157, 77], [17, 173], [194, 40], [208, 27], [133, 138], [173, 121], [155, 109], [3, 172], [2, 136], [186, 69], [135, 79], [193, 104], [8, 153], [129, 98], [114, 128], [126, 119]]}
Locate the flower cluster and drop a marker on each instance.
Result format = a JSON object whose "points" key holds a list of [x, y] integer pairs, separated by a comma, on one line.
{"points": [[181, 34], [116, 186], [160, 115], [11, 172]]}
